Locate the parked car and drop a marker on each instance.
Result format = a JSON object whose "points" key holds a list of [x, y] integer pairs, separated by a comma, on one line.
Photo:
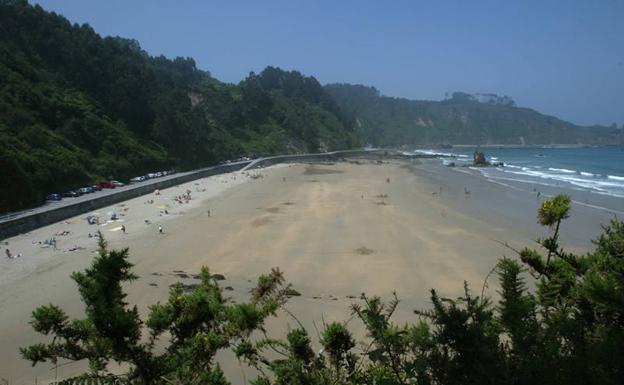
{"points": [[106, 184], [96, 187], [138, 179], [117, 183], [54, 197], [87, 190], [71, 194]]}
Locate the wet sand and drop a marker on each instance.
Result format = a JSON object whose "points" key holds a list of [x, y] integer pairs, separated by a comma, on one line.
{"points": [[336, 230]]}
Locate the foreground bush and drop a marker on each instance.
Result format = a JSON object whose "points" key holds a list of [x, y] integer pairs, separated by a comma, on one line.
{"points": [[570, 330]]}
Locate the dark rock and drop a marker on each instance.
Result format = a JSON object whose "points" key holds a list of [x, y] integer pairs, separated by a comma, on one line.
{"points": [[479, 158], [184, 287]]}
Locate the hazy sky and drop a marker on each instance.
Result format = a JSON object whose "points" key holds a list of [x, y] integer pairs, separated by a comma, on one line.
{"points": [[564, 58]]}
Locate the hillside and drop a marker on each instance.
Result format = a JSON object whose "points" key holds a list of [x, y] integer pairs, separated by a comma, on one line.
{"points": [[461, 119], [76, 107]]}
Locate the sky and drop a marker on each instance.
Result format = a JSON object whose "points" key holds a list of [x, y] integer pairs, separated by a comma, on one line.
{"points": [[564, 58]]}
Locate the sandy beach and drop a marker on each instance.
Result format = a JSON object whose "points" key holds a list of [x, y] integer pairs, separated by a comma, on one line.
{"points": [[336, 230]]}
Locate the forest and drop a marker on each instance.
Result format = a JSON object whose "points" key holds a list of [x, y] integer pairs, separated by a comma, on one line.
{"points": [[76, 108], [460, 119]]}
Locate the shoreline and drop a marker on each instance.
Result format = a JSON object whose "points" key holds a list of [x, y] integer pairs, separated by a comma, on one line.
{"points": [[335, 229], [518, 145]]}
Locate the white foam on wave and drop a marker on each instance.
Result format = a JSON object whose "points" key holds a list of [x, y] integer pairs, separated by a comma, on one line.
{"points": [[575, 185], [614, 177], [437, 153], [565, 170], [584, 180]]}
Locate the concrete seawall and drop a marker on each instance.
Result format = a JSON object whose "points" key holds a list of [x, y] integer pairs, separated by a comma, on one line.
{"points": [[44, 216], [48, 214], [326, 156]]}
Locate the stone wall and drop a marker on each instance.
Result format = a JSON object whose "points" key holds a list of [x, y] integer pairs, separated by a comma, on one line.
{"points": [[28, 222]]}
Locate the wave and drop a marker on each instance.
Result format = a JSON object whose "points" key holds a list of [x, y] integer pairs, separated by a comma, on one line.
{"points": [[607, 186], [437, 153], [565, 170], [580, 175]]}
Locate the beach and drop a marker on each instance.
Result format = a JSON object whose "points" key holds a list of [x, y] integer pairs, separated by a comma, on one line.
{"points": [[336, 230]]}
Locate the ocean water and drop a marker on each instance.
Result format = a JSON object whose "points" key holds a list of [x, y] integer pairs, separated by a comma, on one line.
{"points": [[599, 170]]}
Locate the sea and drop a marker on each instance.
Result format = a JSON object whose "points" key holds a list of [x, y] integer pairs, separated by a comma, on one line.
{"points": [[596, 169]]}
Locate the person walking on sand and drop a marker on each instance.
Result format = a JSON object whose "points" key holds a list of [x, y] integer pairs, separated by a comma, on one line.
{"points": [[8, 253], [160, 229], [123, 229]]}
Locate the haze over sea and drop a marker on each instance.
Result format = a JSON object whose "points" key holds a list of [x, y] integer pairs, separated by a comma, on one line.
{"points": [[599, 170]]}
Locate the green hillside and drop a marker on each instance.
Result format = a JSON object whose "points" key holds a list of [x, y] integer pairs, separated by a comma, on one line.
{"points": [[76, 107], [461, 119]]}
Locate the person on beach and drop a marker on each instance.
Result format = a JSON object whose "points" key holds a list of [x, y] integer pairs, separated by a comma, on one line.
{"points": [[8, 253], [209, 213], [160, 229], [123, 228]]}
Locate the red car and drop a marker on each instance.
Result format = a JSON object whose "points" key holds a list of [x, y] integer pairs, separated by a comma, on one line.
{"points": [[106, 184]]}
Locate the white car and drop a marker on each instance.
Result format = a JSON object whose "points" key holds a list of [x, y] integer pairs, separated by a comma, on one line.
{"points": [[117, 183], [137, 179]]}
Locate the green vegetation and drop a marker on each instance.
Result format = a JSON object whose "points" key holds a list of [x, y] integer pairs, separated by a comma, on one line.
{"points": [[569, 330], [76, 107], [461, 119]]}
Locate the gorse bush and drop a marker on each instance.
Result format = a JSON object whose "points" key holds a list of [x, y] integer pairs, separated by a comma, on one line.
{"points": [[569, 330]]}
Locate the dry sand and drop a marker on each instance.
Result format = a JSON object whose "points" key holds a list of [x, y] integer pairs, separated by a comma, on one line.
{"points": [[336, 230]]}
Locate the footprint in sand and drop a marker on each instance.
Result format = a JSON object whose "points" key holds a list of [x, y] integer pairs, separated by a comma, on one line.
{"points": [[260, 221]]}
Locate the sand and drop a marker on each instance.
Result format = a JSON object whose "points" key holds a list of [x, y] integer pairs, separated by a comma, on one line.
{"points": [[336, 230]]}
